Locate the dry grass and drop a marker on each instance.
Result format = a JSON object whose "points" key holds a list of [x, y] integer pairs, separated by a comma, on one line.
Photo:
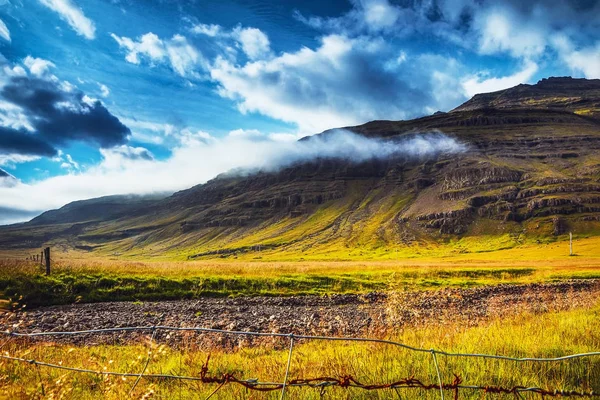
{"points": [[527, 334]]}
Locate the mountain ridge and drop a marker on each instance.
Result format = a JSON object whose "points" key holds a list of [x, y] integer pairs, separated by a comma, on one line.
{"points": [[560, 93], [531, 172]]}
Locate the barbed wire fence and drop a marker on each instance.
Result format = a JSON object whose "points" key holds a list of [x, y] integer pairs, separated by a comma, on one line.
{"points": [[453, 387]]}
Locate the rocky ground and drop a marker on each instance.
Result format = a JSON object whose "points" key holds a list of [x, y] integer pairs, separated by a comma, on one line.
{"points": [[336, 315]]}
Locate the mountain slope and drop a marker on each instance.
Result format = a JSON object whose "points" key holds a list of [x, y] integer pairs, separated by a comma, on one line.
{"points": [[531, 171]]}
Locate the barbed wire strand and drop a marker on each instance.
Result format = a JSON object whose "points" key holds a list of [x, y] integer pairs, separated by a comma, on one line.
{"points": [[343, 382], [321, 382], [216, 390], [287, 369], [308, 337]]}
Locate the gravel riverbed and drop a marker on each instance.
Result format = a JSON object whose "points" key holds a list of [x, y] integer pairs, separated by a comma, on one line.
{"points": [[368, 315]]}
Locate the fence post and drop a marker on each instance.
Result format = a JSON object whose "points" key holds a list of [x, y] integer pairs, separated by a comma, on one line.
{"points": [[437, 370], [287, 369], [47, 257], [570, 243]]}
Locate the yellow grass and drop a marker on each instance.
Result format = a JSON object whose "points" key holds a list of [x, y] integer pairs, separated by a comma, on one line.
{"points": [[538, 335], [547, 259]]}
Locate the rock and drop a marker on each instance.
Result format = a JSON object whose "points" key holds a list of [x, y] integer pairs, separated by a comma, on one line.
{"points": [[329, 316]]}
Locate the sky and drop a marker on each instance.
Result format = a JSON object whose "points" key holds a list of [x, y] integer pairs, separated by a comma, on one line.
{"points": [[101, 97]]}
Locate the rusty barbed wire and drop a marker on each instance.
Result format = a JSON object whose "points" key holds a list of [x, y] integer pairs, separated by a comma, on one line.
{"points": [[345, 382], [322, 382]]}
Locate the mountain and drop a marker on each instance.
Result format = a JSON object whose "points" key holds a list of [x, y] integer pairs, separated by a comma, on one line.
{"points": [[105, 208], [530, 171], [63, 226]]}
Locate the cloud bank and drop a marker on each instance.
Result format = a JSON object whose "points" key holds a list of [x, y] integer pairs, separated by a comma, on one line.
{"points": [[200, 157]]}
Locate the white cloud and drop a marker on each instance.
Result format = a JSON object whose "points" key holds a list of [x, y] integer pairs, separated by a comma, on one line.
{"points": [[13, 116], [148, 44], [502, 31], [211, 30], [189, 138], [585, 60], [342, 82], [73, 15], [521, 30], [104, 90], [254, 42], [180, 54], [11, 160], [368, 16], [10, 72], [4, 32], [183, 56], [121, 157], [380, 14], [72, 163], [148, 131], [480, 84], [38, 66], [247, 133], [129, 170], [165, 129]]}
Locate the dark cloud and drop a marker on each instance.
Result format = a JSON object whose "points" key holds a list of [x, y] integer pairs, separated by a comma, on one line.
{"points": [[14, 141], [59, 115]]}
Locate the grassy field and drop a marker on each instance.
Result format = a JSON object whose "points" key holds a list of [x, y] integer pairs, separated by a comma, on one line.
{"points": [[79, 277], [547, 335]]}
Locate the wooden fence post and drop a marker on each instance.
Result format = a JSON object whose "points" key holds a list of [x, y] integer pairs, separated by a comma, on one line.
{"points": [[570, 243], [47, 257]]}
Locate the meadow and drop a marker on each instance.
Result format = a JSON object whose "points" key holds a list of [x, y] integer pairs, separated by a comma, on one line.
{"points": [[81, 277]]}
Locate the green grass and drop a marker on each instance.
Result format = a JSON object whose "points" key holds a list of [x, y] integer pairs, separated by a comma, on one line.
{"points": [[534, 335], [77, 277], [63, 288], [67, 287]]}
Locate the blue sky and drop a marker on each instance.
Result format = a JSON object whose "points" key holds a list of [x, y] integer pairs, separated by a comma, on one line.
{"points": [[123, 96]]}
